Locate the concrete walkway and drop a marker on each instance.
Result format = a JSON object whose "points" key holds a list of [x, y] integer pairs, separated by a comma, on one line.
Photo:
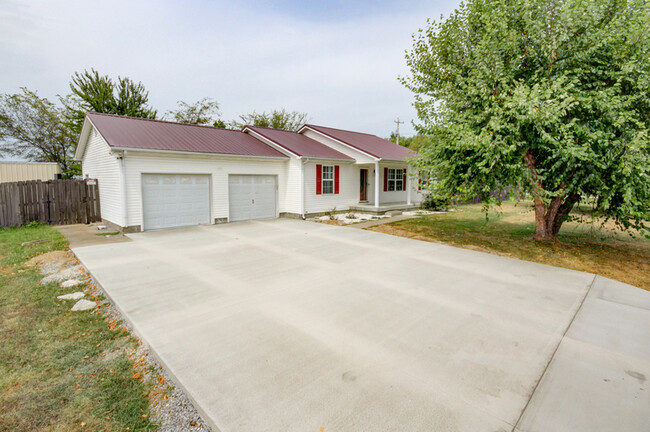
{"points": [[372, 223], [88, 234], [289, 325]]}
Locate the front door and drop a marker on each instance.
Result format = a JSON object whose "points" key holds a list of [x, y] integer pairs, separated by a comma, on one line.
{"points": [[363, 185]]}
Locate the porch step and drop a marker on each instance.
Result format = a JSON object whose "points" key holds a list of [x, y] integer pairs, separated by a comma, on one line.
{"points": [[392, 209]]}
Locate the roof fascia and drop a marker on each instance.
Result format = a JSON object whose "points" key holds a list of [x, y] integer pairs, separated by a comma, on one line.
{"points": [[189, 153], [377, 159], [83, 139]]}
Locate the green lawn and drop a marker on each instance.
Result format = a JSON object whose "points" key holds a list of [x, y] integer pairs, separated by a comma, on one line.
{"points": [[584, 247], [60, 370]]}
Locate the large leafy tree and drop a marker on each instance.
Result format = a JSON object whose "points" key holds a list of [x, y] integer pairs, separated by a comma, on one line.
{"points": [[277, 119], [202, 112], [99, 93], [547, 96], [34, 128]]}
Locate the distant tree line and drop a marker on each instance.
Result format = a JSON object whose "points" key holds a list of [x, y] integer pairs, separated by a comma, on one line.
{"points": [[37, 129], [414, 142]]}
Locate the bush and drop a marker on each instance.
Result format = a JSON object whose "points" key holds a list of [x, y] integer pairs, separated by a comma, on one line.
{"points": [[432, 202]]}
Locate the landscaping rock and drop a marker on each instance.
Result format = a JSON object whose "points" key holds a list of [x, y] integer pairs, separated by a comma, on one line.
{"points": [[64, 275], [70, 283], [83, 305], [349, 218], [33, 242], [74, 296]]}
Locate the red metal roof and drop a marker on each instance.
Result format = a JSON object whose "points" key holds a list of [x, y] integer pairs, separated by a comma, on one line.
{"points": [[138, 133], [367, 143], [298, 144]]}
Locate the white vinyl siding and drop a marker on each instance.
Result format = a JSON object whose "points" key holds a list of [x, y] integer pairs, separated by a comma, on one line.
{"points": [[348, 189], [219, 168], [290, 193], [98, 163]]}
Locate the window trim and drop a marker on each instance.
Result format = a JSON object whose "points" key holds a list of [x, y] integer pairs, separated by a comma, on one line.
{"points": [[327, 180], [398, 176]]}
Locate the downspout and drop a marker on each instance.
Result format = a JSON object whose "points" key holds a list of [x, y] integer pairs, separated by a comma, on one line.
{"points": [[125, 212], [302, 188]]}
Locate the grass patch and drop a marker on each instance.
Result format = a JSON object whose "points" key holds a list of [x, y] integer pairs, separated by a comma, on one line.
{"points": [[60, 370], [585, 247]]}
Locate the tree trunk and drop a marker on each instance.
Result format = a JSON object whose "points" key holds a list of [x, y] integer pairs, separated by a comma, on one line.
{"points": [[548, 219], [563, 212], [542, 232]]}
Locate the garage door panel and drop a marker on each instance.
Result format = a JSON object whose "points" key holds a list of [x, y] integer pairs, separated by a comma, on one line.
{"points": [[173, 200], [252, 197]]}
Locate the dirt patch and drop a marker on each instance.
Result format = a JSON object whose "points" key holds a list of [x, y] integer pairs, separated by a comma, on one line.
{"points": [[331, 222], [53, 262]]}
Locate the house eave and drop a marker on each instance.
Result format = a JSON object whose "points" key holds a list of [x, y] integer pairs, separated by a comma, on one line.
{"points": [[83, 139], [190, 153]]}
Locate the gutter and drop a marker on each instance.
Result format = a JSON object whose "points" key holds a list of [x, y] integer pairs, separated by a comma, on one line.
{"points": [[189, 153], [302, 187]]}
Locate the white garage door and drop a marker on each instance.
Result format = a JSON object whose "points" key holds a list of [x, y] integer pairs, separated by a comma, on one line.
{"points": [[175, 200], [251, 197]]}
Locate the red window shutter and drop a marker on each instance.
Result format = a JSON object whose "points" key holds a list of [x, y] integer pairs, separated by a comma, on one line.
{"points": [[404, 182], [336, 179], [385, 179], [319, 179]]}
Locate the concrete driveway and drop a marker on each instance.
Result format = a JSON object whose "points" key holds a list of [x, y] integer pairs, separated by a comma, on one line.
{"points": [[287, 325]]}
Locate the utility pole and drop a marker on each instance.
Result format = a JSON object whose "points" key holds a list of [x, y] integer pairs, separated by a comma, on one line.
{"points": [[398, 123]]}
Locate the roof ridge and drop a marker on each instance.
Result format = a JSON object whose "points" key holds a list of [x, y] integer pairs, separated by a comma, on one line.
{"points": [[342, 130], [302, 136], [267, 127], [160, 121]]}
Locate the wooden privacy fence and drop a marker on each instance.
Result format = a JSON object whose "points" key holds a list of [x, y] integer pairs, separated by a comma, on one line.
{"points": [[55, 202]]}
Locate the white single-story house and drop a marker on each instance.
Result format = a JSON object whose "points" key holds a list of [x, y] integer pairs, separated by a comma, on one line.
{"points": [[155, 174]]}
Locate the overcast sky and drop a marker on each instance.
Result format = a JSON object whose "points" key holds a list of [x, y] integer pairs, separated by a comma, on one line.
{"points": [[336, 60]]}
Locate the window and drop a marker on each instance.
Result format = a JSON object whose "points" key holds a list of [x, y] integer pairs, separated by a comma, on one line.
{"points": [[395, 179], [328, 179]]}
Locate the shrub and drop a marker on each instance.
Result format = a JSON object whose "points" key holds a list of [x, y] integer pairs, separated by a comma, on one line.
{"points": [[433, 202]]}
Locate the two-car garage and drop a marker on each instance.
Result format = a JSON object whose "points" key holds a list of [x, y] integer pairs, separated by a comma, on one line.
{"points": [[177, 200]]}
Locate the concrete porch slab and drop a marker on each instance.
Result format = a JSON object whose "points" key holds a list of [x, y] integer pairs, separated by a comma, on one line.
{"points": [[383, 207]]}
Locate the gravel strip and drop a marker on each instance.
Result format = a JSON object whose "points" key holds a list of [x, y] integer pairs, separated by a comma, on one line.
{"points": [[176, 413]]}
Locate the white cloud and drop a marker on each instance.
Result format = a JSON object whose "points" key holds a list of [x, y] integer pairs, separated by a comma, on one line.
{"points": [[343, 72]]}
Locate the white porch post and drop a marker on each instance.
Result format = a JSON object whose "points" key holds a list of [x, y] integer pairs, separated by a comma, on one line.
{"points": [[377, 185], [408, 186]]}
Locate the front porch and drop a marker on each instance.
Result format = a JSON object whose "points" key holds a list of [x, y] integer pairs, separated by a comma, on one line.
{"points": [[385, 187]]}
